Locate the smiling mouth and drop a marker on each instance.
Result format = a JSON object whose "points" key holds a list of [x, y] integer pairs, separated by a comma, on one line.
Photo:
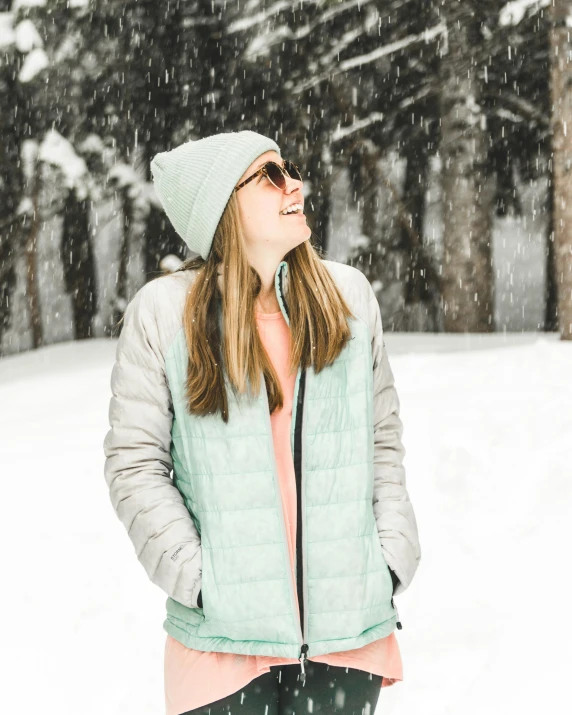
{"points": [[298, 205]]}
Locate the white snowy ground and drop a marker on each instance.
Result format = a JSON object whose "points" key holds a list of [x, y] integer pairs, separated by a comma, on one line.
{"points": [[487, 623]]}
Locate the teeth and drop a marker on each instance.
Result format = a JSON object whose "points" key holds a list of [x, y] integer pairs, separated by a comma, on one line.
{"points": [[292, 209]]}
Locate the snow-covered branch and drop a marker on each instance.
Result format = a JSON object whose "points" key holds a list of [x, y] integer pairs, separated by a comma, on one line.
{"points": [[513, 12], [350, 63], [344, 132]]}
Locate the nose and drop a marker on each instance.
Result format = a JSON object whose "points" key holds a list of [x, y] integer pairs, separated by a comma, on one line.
{"points": [[292, 184]]}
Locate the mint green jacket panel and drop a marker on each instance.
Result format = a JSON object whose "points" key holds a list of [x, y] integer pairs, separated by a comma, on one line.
{"points": [[226, 475]]}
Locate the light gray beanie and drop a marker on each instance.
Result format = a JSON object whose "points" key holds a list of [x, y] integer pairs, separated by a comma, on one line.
{"points": [[194, 181]]}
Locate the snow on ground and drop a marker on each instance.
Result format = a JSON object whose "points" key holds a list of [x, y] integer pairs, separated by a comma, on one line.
{"points": [[486, 622]]}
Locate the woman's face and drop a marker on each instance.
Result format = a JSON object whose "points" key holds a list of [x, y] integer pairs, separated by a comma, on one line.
{"points": [[268, 233]]}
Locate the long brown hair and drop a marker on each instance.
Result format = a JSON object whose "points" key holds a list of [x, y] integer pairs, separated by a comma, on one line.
{"points": [[317, 312]]}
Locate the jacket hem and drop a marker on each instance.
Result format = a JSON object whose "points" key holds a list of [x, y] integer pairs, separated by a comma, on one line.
{"points": [[212, 644], [342, 644], [278, 650]]}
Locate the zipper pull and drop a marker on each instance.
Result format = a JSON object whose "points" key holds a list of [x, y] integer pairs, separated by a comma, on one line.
{"points": [[398, 624], [303, 658]]}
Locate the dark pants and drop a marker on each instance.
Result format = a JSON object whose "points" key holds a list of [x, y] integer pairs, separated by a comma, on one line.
{"points": [[328, 689]]}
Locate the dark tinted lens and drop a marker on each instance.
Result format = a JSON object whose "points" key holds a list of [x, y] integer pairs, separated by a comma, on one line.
{"points": [[292, 170], [275, 175]]}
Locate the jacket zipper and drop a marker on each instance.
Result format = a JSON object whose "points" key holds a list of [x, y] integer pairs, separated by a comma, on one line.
{"points": [[301, 576], [281, 505]]}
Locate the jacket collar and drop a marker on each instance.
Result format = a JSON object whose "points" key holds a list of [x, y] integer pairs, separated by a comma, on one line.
{"points": [[281, 288]]}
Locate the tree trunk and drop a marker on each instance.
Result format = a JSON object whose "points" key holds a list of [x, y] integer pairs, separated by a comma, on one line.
{"points": [[318, 207], [78, 264], [133, 259], [121, 296], [422, 284], [467, 273], [550, 290], [12, 227], [10, 239], [364, 184], [32, 293], [561, 121]]}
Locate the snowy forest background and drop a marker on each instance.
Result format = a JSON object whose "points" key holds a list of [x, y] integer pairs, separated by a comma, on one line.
{"points": [[432, 137], [434, 140]]}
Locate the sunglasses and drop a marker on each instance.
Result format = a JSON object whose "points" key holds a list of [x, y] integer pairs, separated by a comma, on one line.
{"points": [[275, 174]]}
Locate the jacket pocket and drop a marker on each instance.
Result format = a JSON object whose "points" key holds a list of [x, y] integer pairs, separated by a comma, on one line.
{"points": [[394, 579]]}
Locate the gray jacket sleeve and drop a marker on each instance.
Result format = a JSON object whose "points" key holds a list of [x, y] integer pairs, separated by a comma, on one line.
{"points": [[392, 507], [138, 461]]}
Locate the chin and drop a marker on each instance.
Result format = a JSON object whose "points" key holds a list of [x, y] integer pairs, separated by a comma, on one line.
{"points": [[297, 238], [304, 238]]}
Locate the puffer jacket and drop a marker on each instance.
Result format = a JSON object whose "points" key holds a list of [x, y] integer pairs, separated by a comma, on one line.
{"points": [[216, 528]]}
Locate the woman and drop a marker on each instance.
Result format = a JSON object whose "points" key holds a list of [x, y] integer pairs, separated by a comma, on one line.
{"points": [[258, 374]]}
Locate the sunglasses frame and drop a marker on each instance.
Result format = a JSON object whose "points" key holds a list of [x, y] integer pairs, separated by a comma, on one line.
{"points": [[264, 171]]}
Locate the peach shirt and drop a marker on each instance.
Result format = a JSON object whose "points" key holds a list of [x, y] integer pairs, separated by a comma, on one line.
{"points": [[195, 678]]}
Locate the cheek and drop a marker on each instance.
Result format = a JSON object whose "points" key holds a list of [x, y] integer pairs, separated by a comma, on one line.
{"points": [[261, 223]]}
